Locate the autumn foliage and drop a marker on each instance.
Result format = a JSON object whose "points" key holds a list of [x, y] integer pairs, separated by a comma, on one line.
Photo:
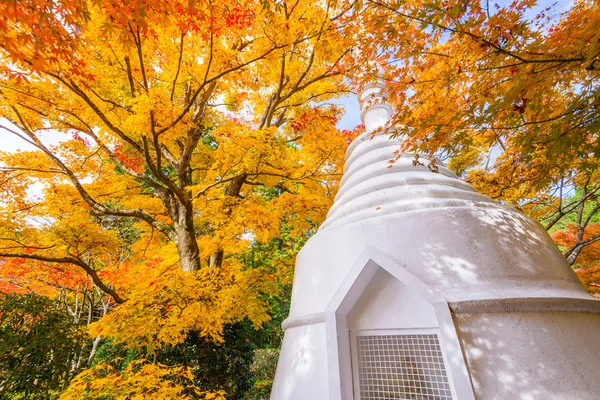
{"points": [[588, 261], [191, 131], [200, 149]]}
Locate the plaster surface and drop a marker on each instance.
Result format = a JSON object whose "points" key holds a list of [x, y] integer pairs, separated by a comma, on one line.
{"points": [[529, 356], [303, 374], [372, 310]]}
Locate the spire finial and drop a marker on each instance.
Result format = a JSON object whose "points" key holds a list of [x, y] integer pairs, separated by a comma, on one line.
{"points": [[375, 111]]}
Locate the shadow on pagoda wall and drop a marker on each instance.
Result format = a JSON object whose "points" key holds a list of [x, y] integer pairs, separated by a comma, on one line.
{"points": [[508, 354]]}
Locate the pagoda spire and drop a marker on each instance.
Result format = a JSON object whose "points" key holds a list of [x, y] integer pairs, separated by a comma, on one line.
{"points": [[375, 110]]}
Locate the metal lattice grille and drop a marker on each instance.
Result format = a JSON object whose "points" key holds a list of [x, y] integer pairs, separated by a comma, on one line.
{"points": [[401, 367]]}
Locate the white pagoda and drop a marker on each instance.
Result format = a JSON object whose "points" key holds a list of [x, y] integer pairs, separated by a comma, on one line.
{"points": [[417, 287]]}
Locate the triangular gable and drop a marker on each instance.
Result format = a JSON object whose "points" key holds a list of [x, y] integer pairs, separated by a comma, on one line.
{"points": [[357, 280]]}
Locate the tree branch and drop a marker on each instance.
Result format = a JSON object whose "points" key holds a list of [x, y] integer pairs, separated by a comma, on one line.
{"points": [[71, 260], [574, 251], [178, 64], [130, 76], [459, 30], [96, 207]]}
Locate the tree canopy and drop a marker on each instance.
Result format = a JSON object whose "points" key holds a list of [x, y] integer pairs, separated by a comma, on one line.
{"points": [[192, 129]]}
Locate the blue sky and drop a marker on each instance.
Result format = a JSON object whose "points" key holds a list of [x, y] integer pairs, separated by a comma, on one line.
{"points": [[352, 117]]}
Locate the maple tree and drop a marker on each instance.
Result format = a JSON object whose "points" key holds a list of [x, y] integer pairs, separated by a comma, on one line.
{"points": [[138, 104], [587, 266], [578, 234], [140, 380], [140, 97], [191, 130]]}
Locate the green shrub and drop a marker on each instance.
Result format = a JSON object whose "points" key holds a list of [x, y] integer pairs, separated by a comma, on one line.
{"points": [[263, 368], [39, 347]]}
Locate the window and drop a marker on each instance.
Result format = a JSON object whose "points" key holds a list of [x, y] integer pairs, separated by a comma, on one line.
{"points": [[399, 364]]}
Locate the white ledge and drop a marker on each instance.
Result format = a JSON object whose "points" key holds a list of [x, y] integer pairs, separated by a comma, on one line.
{"points": [[309, 319], [484, 306], [525, 304]]}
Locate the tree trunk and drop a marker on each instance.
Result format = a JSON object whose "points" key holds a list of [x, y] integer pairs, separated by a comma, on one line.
{"points": [[95, 344], [216, 259], [187, 248], [185, 240]]}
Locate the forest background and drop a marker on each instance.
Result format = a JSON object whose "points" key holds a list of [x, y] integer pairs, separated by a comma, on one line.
{"points": [[178, 154]]}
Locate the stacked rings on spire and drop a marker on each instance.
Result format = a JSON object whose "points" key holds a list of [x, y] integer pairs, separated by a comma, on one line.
{"points": [[373, 185]]}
